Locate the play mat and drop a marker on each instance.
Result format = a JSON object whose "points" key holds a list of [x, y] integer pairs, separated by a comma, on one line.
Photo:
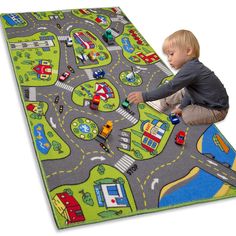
{"points": [[100, 157]]}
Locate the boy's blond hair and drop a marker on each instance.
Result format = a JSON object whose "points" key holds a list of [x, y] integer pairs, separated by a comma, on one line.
{"points": [[182, 39]]}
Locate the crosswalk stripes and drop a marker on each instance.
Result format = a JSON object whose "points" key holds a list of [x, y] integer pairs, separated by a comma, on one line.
{"points": [[124, 163], [119, 19], [126, 115], [163, 68], [89, 73], [113, 32], [114, 48], [62, 38], [32, 94], [64, 86], [152, 104]]}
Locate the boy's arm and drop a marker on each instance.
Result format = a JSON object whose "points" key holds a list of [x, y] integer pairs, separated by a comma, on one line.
{"points": [[183, 78], [185, 101]]}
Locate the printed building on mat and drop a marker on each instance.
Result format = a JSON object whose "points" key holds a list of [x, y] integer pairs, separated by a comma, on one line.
{"points": [[152, 134], [111, 195], [13, 19], [68, 207], [43, 69], [148, 58]]}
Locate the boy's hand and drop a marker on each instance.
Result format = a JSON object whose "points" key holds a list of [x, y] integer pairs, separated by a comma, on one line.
{"points": [[135, 97], [177, 111]]}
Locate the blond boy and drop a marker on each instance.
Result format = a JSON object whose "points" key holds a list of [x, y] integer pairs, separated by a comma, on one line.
{"points": [[195, 93]]}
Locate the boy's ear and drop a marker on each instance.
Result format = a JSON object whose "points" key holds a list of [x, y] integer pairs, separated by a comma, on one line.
{"points": [[189, 51]]}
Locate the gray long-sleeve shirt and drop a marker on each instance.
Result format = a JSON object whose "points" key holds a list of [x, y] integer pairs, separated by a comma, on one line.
{"points": [[202, 87]]}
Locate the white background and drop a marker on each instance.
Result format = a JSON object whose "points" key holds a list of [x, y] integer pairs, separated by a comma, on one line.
{"points": [[24, 207]]}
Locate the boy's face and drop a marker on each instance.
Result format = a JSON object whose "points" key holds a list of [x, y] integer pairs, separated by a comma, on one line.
{"points": [[178, 57]]}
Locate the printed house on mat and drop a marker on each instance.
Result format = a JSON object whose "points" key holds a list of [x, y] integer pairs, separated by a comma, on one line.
{"points": [[68, 207], [43, 69]]}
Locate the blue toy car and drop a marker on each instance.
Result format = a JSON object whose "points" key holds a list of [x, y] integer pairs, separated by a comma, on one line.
{"points": [[174, 118], [98, 74]]}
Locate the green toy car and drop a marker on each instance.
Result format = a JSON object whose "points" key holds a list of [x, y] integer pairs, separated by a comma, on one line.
{"points": [[125, 104]]}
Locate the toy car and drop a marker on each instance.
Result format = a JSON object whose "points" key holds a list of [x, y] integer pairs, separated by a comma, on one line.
{"points": [[104, 147], [98, 74], [64, 76], [70, 69], [125, 104], [69, 42], [174, 118], [56, 99], [95, 102], [180, 138], [58, 26], [61, 108]]}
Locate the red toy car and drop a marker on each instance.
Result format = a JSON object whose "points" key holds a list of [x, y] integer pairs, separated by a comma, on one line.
{"points": [[64, 76], [95, 102], [180, 137]]}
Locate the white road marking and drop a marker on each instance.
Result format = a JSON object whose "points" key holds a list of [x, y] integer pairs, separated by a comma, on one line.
{"points": [[89, 73], [114, 48], [64, 86], [222, 176], [70, 26], [124, 163], [154, 182], [89, 22], [212, 162], [32, 94], [126, 115], [52, 123], [43, 28], [101, 158]]}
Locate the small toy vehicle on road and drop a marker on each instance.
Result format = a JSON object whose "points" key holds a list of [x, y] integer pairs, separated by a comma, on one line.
{"points": [[94, 103], [56, 99], [125, 104], [174, 118], [106, 129], [58, 26], [70, 69], [104, 147], [180, 137], [64, 76], [61, 108], [108, 37], [99, 74], [69, 42]]}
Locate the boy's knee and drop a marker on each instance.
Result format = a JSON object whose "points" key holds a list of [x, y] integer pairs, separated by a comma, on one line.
{"points": [[187, 118]]}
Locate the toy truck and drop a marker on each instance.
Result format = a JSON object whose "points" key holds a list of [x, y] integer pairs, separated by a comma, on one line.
{"points": [[108, 37], [106, 129]]}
